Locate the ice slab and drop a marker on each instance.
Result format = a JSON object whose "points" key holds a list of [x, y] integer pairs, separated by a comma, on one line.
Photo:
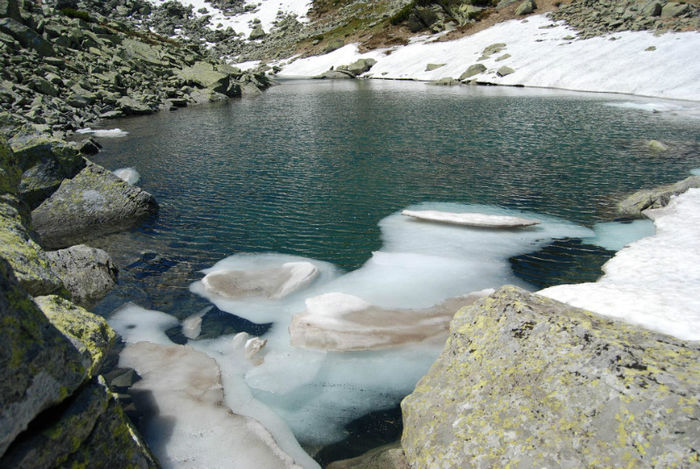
{"points": [[340, 323], [479, 220], [652, 282]]}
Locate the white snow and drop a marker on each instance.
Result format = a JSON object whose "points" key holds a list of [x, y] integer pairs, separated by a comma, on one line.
{"points": [[541, 58], [266, 12], [128, 175], [653, 282]]}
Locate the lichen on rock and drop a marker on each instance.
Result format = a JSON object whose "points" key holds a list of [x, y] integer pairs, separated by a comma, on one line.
{"points": [[527, 380]]}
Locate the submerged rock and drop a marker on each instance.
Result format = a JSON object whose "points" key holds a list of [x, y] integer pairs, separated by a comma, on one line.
{"points": [[87, 273], [635, 204], [39, 367], [340, 323], [95, 202], [525, 378], [655, 145], [272, 283]]}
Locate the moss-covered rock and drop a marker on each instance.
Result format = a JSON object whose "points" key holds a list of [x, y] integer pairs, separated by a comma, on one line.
{"points": [[9, 169], [91, 431], [39, 367], [28, 260], [93, 203], [87, 273], [633, 205], [44, 162], [530, 382], [89, 333]]}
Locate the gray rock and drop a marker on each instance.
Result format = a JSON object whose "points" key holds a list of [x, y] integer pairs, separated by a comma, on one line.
{"points": [[652, 8], [87, 273], [132, 106], [39, 367], [505, 3], [446, 81], [257, 33], [385, 457], [525, 378], [492, 49], [333, 44], [431, 67], [10, 9], [336, 75], [472, 70], [360, 66], [525, 8], [674, 9], [503, 71], [632, 206], [95, 202], [26, 36], [203, 75], [45, 162], [91, 432]]}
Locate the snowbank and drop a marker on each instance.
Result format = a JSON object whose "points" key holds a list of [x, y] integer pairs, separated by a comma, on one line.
{"points": [[543, 54], [652, 282]]}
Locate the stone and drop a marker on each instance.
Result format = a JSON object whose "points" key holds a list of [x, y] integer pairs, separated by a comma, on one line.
{"points": [[334, 44], [45, 163], [26, 37], [505, 3], [652, 8], [385, 457], [635, 204], [203, 75], [503, 57], [28, 260], [131, 106], [43, 86], [39, 367], [91, 432], [338, 322], [472, 70], [87, 273], [143, 52], [272, 282], [431, 67], [257, 33], [446, 81], [336, 75], [361, 66], [504, 71], [479, 220], [655, 145], [10, 9], [525, 8], [94, 203], [89, 333], [89, 146], [10, 172], [674, 9], [525, 378]]}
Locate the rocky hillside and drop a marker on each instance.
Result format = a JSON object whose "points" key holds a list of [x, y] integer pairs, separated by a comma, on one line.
{"points": [[63, 69]]}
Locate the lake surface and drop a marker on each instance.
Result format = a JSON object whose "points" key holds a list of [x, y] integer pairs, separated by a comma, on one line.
{"points": [[320, 169]]}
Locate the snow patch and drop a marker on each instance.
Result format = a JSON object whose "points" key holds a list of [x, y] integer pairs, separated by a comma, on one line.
{"points": [[128, 175], [105, 133]]}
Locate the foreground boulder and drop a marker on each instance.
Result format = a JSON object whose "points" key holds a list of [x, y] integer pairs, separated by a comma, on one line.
{"points": [[528, 380], [632, 206], [87, 273], [39, 367], [93, 203]]}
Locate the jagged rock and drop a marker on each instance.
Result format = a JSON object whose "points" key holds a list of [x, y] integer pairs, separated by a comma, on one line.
{"points": [[39, 367], [334, 44], [492, 49], [30, 263], [503, 71], [632, 206], [525, 378], [89, 333], [89, 146], [652, 8], [131, 106], [257, 33], [87, 273], [143, 52], [384, 457], [45, 163], [95, 202], [203, 75], [26, 36], [674, 9], [91, 432], [525, 8], [10, 9], [360, 66], [472, 70], [335, 75], [10, 172], [431, 67]]}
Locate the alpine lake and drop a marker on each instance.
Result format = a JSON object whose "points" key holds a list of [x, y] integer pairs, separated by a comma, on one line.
{"points": [[316, 168]]}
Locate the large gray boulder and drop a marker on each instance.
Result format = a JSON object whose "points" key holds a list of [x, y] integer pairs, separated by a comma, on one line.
{"points": [[525, 8], [91, 432], [87, 273], [10, 9], [633, 205], [45, 162], [473, 70], [26, 37], [203, 75], [530, 381], [39, 367], [95, 202]]}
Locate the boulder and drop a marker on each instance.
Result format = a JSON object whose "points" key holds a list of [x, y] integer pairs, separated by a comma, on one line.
{"points": [[27, 37], [360, 66], [39, 367], [10, 172], [334, 44], [87, 273], [91, 432], [492, 49], [633, 205], [131, 106], [30, 264], [257, 33], [674, 9], [203, 75], [657, 146], [385, 457], [431, 67], [525, 8], [143, 52], [503, 71], [472, 70], [652, 8], [10, 9], [525, 379], [94, 203], [89, 333], [336, 75], [45, 163]]}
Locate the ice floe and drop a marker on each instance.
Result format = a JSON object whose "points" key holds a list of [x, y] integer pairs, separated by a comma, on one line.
{"points": [[479, 220], [653, 282], [128, 175]]}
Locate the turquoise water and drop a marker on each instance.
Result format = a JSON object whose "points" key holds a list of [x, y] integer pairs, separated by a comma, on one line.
{"points": [[314, 169]]}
